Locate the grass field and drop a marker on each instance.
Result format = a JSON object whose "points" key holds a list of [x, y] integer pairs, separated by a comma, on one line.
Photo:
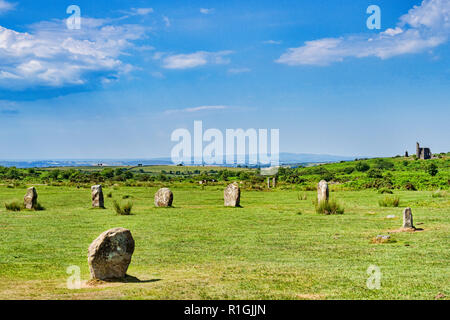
{"points": [[274, 247]]}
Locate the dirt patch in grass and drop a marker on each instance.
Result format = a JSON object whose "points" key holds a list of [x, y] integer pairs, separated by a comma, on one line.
{"points": [[406, 230]]}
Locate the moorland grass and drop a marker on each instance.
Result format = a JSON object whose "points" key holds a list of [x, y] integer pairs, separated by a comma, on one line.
{"points": [[389, 201], [201, 250]]}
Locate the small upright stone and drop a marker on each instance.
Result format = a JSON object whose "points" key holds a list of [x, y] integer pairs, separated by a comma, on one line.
{"points": [[110, 254], [322, 191], [30, 199], [232, 195], [97, 196], [407, 218], [163, 198]]}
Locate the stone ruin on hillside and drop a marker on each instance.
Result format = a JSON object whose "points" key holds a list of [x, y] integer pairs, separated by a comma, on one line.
{"points": [[422, 153]]}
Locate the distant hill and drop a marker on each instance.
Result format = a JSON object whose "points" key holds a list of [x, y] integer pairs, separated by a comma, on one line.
{"points": [[285, 158]]}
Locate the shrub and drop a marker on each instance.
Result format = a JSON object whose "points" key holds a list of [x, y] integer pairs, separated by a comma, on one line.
{"points": [[109, 195], [328, 207], [375, 173], [389, 202], [432, 169], [383, 164], [409, 186], [124, 210], [362, 166], [384, 190], [13, 206], [348, 170]]}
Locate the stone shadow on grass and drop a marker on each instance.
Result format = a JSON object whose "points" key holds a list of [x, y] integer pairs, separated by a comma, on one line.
{"points": [[131, 279]]}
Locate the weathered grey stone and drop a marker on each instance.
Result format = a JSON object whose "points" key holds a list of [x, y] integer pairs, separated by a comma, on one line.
{"points": [[97, 196], [232, 195], [163, 198], [322, 191], [30, 198], [407, 218], [110, 254]]}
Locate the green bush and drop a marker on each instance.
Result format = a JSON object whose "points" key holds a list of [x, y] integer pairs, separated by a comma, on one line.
{"points": [[383, 164], [328, 207], [375, 173], [362, 166], [124, 210], [409, 186], [432, 169], [384, 190], [389, 202], [13, 206]]}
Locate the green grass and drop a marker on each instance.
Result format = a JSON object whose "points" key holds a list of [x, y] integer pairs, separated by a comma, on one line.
{"points": [[274, 247], [123, 209], [389, 201], [329, 207], [14, 206]]}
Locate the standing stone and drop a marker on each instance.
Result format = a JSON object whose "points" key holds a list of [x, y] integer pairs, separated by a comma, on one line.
{"points": [[110, 254], [274, 182], [232, 195], [322, 191], [407, 218], [30, 199], [268, 182], [163, 198], [97, 196]]}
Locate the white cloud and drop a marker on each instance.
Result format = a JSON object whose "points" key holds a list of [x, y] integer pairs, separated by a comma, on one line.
{"points": [[206, 11], [52, 55], [423, 27], [238, 70], [196, 59], [137, 12], [166, 21], [6, 6], [196, 109], [272, 42]]}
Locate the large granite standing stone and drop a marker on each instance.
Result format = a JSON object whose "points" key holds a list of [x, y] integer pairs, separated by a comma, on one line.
{"points": [[110, 254], [407, 218], [97, 197], [232, 195], [30, 198], [163, 198], [322, 191]]}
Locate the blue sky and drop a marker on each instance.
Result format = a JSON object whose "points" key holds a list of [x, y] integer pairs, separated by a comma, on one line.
{"points": [[138, 70]]}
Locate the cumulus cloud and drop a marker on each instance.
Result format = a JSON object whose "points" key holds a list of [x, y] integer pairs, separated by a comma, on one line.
{"points": [[196, 109], [52, 55], [196, 59], [424, 27], [6, 6]]}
